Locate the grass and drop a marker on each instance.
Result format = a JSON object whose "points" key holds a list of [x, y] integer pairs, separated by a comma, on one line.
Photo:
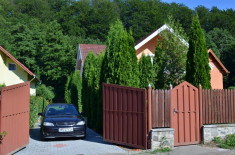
{"points": [[227, 143], [165, 149]]}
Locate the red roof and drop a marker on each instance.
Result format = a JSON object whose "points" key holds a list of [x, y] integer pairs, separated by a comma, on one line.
{"points": [[17, 62], [86, 48], [225, 71]]}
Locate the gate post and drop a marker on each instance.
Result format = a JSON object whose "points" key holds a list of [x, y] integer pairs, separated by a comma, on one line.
{"points": [[149, 115], [200, 110], [149, 108]]}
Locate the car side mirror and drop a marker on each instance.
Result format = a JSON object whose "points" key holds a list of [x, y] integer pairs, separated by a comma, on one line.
{"points": [[40, 114]]}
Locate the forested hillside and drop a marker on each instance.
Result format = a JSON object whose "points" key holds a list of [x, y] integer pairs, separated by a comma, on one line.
{"points": [[44, 34]]}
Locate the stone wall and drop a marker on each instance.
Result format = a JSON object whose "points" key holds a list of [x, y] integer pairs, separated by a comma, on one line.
{"points": [[162, 136], [217, 130]]}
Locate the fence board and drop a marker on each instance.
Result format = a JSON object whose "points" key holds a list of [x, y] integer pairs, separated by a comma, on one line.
{"points": [[125, 115], [160, 108], [218, 106]]}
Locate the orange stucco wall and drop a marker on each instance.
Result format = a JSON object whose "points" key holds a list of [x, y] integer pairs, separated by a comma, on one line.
{"points": [[148, 48], [216, 75]]}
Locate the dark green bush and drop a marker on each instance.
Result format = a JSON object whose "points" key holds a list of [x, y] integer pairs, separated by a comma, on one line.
{"points": [[217, 139], [73, 90], [231, 87], [227, 143], [36, 106]]}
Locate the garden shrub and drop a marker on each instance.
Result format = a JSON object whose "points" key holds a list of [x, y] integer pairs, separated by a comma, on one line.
{"points": [[1, 86], [227, 143], [36, 106], [45, 92], [75, 90], [231, 87]]}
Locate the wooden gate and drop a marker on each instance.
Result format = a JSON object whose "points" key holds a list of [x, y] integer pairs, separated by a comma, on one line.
{"points": [[125, 115], [185, 114], [14, 117]]}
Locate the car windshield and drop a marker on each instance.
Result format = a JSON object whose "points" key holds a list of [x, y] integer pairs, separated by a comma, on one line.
{"points": [[61, 110]]}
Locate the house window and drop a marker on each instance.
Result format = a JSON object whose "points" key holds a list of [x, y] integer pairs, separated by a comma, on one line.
{"points": [[12, 67]]}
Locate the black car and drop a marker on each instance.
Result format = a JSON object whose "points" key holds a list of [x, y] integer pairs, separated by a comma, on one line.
{"points": [[62, 120]]}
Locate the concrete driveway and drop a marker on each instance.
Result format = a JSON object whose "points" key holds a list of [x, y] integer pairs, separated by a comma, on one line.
{"points": [[92, 145]]}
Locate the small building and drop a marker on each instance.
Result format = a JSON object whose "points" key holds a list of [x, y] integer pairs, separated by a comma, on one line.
{"points": [[217, 71], [83, 50], [147, 44], [13, 72]]}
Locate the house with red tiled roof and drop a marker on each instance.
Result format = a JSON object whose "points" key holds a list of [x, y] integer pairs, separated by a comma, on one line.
{"points": [[13, 72], [83, 50], [147, 46]]}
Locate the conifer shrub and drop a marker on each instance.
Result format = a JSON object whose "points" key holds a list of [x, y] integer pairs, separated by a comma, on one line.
{"points": [[197, 65], [147, 72]]}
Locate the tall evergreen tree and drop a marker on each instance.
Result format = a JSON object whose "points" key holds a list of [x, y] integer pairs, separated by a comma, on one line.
{"points": [[75, 90], [147, 72], [120, 62], [88, 90], [197, 66], [98, 93]]}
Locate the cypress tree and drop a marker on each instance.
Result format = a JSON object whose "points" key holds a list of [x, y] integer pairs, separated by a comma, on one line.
{"points": [[98, 93], [120, 62], [197, 65], [67, 93], [147, 72], [75, 90], [88, 75]]}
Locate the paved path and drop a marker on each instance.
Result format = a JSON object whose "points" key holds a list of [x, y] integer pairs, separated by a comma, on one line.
{"points": [[92, 145]]}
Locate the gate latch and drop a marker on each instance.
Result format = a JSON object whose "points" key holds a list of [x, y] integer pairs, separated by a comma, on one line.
{"points": [[175, 111]]}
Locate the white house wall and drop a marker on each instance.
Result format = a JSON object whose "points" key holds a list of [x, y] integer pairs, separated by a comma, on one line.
{"points": [[13, 77]]}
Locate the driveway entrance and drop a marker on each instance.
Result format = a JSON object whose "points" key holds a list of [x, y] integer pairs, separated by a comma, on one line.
{"points": [[92, 145]]}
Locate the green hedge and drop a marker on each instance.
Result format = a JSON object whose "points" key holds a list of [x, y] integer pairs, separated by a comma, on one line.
{"points": [[36, 106]]}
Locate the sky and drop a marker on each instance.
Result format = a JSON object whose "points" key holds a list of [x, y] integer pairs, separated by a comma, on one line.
{"points": [[220, 4]]}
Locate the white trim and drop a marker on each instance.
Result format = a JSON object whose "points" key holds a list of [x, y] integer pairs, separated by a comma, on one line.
{"points": [[211, 66], [154, 34], [79, 56]]}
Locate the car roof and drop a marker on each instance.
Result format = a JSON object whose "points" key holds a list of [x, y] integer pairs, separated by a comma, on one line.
{"points": [[52, 104]]}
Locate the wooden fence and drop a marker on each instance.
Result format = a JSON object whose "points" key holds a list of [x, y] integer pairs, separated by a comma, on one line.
{"points": [[160, 108], [218, 106], [125, 115]]}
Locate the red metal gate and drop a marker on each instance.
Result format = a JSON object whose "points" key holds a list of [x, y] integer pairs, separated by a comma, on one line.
{"points": [[14, 117], [125, 115], [185, 114]]}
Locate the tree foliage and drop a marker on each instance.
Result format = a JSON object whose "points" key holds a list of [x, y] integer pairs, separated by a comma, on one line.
{"points": [[197, 66], [73, 90], [170, 56], [88, 91], [147, 72], [120, 61], [45, 92], [43, 33]]}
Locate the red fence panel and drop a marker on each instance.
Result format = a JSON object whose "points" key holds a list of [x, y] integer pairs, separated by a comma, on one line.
{"points": [[14, 117], [125, 115], [218, 106], [160, 108]]}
